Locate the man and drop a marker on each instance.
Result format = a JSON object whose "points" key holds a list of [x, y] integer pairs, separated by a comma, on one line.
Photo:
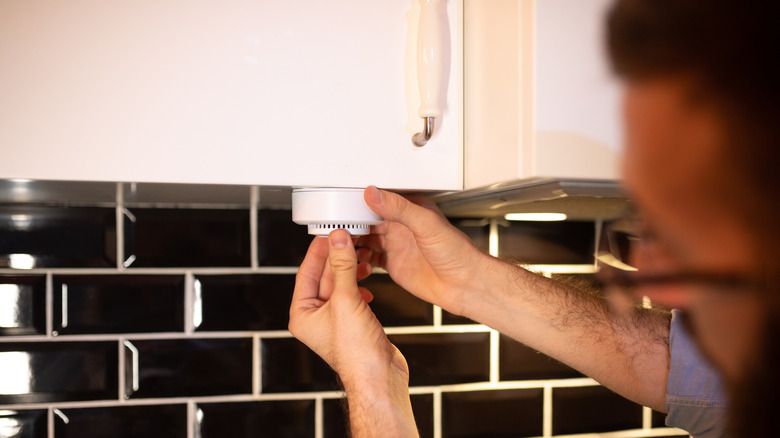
{"points": [[701, 115]]}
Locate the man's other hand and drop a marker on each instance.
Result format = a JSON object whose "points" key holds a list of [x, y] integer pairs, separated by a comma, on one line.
{"points": [[422, 251], [330, 313]]}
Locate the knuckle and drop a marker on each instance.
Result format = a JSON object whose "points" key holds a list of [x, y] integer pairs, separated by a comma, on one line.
{"points": [[340, 263]]}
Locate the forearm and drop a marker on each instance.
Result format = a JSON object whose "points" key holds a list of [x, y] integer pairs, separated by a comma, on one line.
{"points": [[378, 402], [629, 355]]}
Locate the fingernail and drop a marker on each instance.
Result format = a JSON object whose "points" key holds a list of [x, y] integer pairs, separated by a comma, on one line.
{"points": [[376, 196], [339, 238]]}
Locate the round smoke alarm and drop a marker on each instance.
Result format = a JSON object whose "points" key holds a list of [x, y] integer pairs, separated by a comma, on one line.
{"points": [[326, 209]]}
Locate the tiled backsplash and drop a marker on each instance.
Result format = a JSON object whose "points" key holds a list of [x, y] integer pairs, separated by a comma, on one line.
{"points": [[162, 314]]}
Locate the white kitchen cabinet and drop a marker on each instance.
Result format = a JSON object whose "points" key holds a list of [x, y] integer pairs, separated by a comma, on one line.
{"points": [[539, 98], [266, 92]]}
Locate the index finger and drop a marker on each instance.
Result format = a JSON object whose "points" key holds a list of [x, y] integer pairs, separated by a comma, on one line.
{"points": [[307, 280]]}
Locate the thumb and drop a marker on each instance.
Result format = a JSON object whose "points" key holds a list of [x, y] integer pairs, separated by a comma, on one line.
{"points": [[343, 263], [395, 208]]}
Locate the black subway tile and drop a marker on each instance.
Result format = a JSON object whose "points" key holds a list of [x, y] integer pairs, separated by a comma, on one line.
{"points": [[283, 419], [290, 366], [188, 367], [23, 424], [393, 306], [658, 419], [244, 302], [37, 372], [33, 236], [164, 237], [149, 421], [22, 305], [118, 303], [336, 424], [593, 409], [280, 241], [445, 358], [547, 242], [498, 413], [422, 407], [519, 362]]}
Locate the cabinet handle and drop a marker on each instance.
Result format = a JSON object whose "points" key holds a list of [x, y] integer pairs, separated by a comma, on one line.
{"points": [[428, 68]]}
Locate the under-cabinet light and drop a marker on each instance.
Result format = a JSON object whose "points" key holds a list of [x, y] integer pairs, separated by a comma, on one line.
{"points": [[540, 217]]}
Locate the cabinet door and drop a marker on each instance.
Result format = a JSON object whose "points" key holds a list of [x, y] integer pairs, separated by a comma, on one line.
{"points": [[541, 100], [272, 92]]}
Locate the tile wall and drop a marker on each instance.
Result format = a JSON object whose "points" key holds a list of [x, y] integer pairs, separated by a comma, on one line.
{"points": [[161, 311]]}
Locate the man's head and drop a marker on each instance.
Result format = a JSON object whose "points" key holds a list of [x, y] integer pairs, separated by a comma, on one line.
{"points": [[702, 116]]}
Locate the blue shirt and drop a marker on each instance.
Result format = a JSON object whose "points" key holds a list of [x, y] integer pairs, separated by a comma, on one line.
{"points": [[695, 401]]}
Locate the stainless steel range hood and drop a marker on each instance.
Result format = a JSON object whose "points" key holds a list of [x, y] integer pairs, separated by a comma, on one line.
{"points": [[578, 199]]}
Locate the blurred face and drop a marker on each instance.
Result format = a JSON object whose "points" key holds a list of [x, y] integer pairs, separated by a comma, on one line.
{"points": [[673, 169]]}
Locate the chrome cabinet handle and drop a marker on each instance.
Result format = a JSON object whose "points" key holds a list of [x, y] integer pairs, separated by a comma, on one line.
{"points": [[429, 66]]}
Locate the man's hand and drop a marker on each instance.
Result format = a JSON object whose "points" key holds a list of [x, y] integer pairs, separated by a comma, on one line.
{"points": [[330, 314], [422, 251]]}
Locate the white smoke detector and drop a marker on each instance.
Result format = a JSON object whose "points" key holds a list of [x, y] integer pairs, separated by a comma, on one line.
{"points": [[328, 209]]}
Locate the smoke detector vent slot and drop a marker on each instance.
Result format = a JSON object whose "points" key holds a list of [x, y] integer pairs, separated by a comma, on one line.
{"points": [[324, 229], [326, 209]]}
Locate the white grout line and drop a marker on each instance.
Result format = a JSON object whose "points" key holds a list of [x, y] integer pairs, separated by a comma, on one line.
{"points": [[275, 270], [49, 305], [647, 418], [120, 227], [273, 334], [254, 201], [494, 358], [176, 400], [189, 284], [513, 384], [145, 336], [547, 410], [256, 365], [122, 377], [493, 238], [295, 395], [430, 329], [319, 419], [192, 417], [437, 313], [292, 270], [437, 423], [270, 334], [50, 423]]}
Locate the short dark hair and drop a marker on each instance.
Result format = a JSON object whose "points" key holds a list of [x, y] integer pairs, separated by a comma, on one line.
{"points": [[730, 46], [730, 50]]}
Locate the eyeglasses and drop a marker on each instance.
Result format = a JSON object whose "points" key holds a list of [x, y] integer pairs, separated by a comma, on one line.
{"points": [[619, 244]]}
